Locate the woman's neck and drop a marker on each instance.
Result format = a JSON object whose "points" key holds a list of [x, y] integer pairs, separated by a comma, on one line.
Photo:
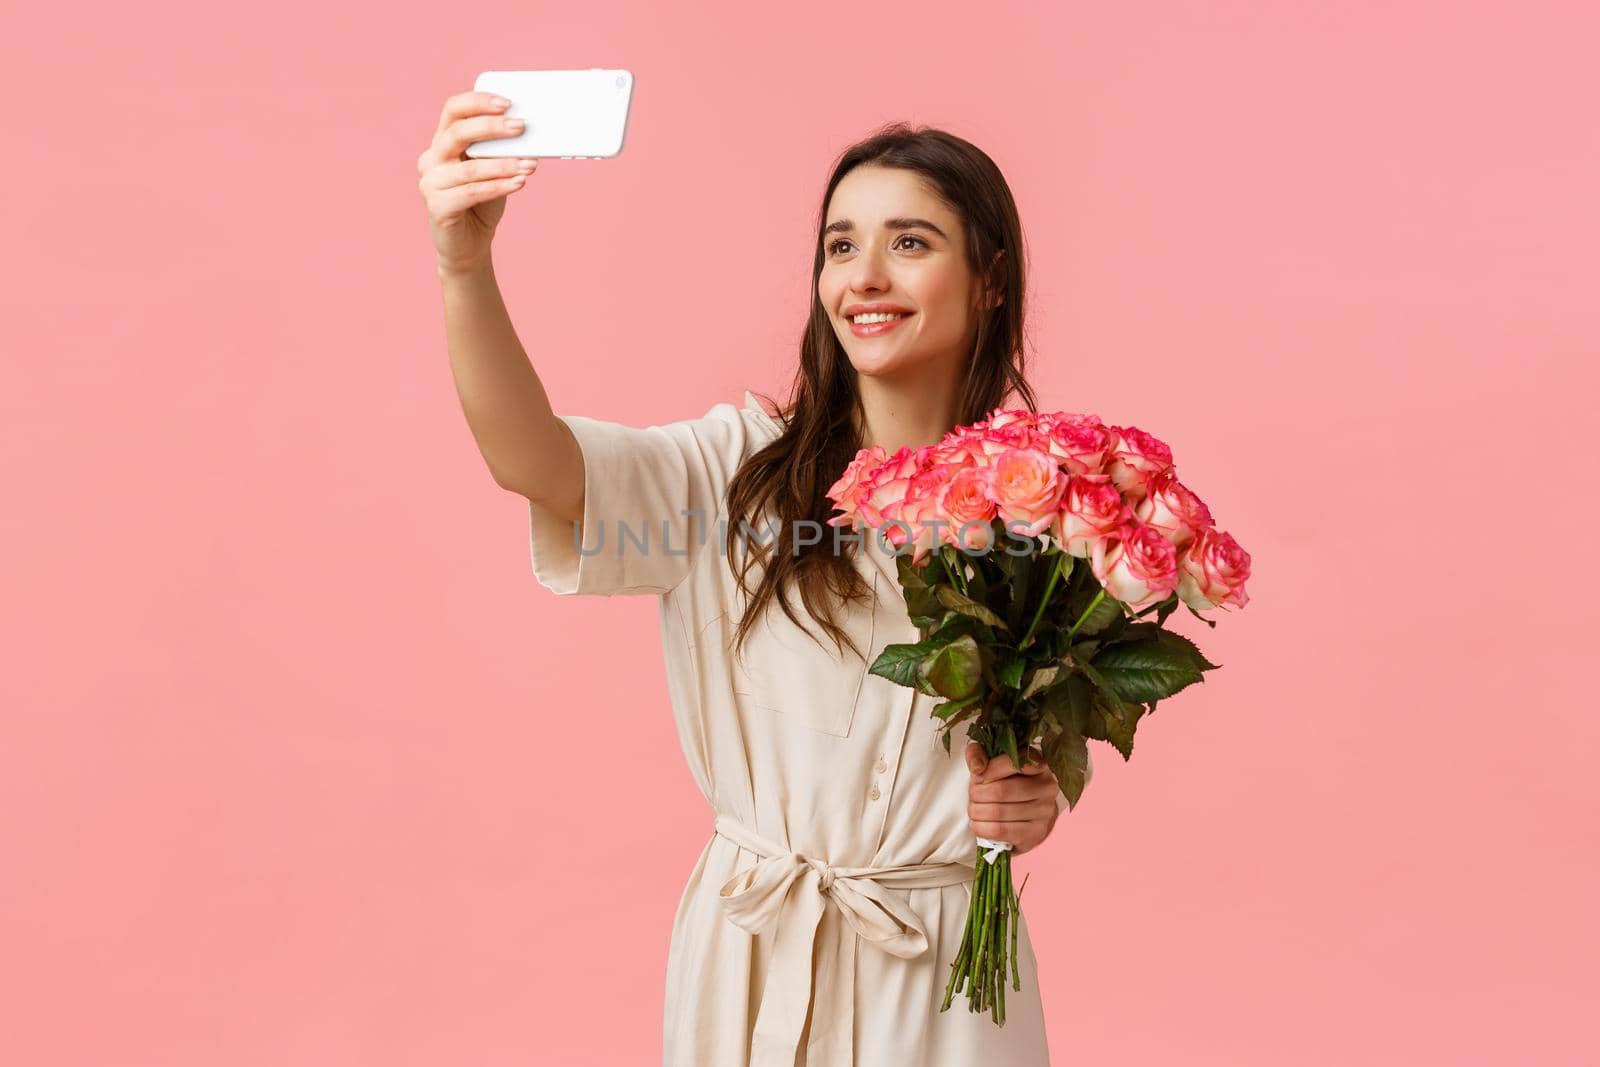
{"points": [[908, 414]]}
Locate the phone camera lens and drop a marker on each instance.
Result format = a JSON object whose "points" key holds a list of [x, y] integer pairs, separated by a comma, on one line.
{"points": [[622, 79]]}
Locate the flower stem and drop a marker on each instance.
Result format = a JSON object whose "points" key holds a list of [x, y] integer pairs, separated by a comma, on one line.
{"points": [[1049, 587], [1016, 921], [958, 969], [989, 941], [1101, 595], [1003, 914], [958, 573], [981, 948]]}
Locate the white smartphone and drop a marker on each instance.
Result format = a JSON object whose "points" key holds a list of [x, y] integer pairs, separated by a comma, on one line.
{"points": [[571, 114]]}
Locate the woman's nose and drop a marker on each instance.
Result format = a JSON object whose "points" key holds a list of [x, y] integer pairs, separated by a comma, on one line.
{"points": [[868, 272], [869, 282]]}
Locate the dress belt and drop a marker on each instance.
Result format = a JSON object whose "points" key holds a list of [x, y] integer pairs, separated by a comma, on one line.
{"points": [[791, 891]]}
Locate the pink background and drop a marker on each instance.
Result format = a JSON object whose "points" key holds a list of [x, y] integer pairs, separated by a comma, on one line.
{"points": [[299, 765]]}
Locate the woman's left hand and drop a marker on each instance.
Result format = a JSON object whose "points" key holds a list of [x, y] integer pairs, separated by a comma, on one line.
{"points": [[1005, 804]]}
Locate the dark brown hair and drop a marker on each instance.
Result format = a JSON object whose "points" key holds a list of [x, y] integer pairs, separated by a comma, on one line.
{"points": [[788, 479]]}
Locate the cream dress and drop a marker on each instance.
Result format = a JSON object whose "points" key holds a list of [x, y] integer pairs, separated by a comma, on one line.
{"points": [[820, 921]]}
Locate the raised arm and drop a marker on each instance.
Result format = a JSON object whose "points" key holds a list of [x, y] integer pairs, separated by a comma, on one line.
{"points": [[527, 448]]}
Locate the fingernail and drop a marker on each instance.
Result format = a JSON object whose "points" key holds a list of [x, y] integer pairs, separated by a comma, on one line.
{"points": [[501, 101]]}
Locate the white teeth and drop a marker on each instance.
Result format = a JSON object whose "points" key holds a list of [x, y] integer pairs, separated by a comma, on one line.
{"points": [[878, 316]]}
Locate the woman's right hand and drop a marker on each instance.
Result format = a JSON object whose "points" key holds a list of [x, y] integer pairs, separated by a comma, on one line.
{"points": [[466, 197]]}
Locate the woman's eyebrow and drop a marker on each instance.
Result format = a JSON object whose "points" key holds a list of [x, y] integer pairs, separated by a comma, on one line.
{"points": [[845, 225]]}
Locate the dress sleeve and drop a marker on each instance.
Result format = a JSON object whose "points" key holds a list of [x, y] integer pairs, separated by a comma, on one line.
{"points": [[652, 497]]}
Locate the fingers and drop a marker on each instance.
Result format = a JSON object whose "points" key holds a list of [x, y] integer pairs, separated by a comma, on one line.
{"points": [[453, 141], [1018, 789], [1039, 810], [467, 117], [465, 172], [471, 102], [1001, 766], [1013, 788], [975, 758], [502, 177]]}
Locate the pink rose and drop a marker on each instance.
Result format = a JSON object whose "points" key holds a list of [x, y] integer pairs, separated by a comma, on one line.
{"points": [[889, 483], [967, 501], [923, 506], [1000, 418], [962, 445], [852, 486], [956, 450], [1013, 435], [989, 446], [1212, 571], [1046, 421], [1091, 510], [1082, 442], [1134, 458], [1173, 509], [1026, 487], [1139, 568]]}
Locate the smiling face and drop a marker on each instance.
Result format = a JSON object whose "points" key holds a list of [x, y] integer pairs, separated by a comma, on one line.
{"points": [[888, 240]]}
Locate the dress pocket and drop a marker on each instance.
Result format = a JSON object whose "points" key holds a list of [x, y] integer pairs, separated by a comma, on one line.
{"points": [[798, 673]]}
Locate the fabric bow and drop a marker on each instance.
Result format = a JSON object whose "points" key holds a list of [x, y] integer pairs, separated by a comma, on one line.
{"points": [[791, 892]]}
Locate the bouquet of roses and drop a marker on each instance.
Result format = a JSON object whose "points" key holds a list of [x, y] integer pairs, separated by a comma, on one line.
{"points": [[1030, 548]]}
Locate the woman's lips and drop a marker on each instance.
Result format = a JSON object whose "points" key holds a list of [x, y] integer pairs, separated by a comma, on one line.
{"points": [[874, 329]]}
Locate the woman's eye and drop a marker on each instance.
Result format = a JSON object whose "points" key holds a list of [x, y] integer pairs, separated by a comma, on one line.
{"points": [[834, 247]]}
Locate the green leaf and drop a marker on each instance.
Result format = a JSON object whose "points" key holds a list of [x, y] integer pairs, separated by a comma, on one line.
{"points": [[1041, 678], [1080, 693], [1067, 702], [954, 670], [1008, 741], [1113, 720], [952, 624], [968, 712], [1110, 718], [967, 606], [1181, 645], [1067, 753], [915, 585], [898, 662], [1010, 672], [1152, 669], [950, 707], [1104, 614]]}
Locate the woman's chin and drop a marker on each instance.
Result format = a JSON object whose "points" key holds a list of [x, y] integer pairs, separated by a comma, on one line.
{"points": [[886, 369]]}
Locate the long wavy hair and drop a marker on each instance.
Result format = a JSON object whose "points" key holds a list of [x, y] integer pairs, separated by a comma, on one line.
{"points": [[788, 479]]}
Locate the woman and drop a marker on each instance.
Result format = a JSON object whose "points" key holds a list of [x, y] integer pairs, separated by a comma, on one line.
{"points": [[820, 921]]}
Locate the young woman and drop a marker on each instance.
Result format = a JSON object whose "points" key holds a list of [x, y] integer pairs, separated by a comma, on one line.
{"points": [[820, 921]]}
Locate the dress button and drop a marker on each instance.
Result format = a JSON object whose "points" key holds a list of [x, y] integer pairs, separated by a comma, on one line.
{"points": [[881, 767], [874, 793]]}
